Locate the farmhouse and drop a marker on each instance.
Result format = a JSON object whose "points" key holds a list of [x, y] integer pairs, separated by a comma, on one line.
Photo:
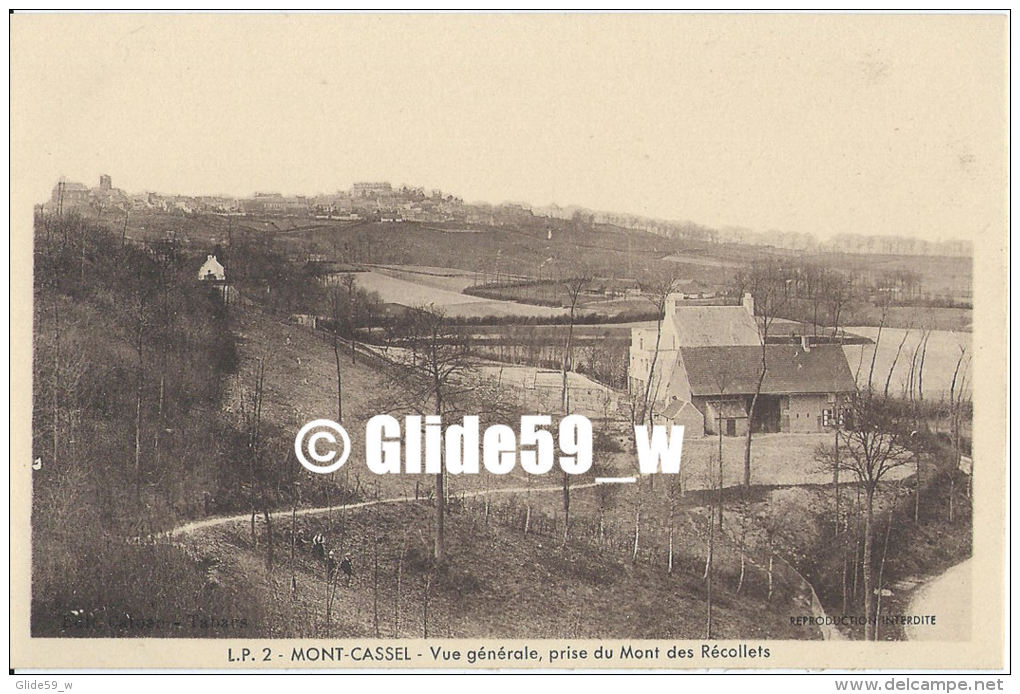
{"points": [[707, 370], [803, 387], [211, 270], [686, 326]]}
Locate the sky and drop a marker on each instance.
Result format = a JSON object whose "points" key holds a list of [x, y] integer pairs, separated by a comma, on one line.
{"points": [[823, 124]]}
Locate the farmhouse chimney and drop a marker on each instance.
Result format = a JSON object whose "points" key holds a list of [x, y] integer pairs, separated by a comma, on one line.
{"points": [[671, 301], [748, 302]]}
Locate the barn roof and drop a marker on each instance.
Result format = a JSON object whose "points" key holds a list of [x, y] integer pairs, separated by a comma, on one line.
{"points": [[702, 326], [790, 369]]}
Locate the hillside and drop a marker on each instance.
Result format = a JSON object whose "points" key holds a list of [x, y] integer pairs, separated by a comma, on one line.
{"points": [[497, 582]]}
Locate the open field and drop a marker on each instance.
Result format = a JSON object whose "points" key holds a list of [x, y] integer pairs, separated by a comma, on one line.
{"points": [[913, 317], [940, 359], [403, 291], [450, 279], [411, 289]]}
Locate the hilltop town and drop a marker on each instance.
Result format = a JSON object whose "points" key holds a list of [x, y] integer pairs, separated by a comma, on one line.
{"points": [[383, 202]]}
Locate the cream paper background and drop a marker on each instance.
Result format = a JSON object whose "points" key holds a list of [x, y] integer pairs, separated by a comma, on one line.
{"points": [[32, 33]]}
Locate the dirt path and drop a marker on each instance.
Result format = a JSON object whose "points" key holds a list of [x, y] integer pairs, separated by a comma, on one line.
{"points": [[948, 597], [195, 526]]}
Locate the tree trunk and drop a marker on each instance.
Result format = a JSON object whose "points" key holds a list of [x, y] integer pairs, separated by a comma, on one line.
{"points": [[917, 488], [718, 426], [159, 416], [708, 577], [881, 571], [869, 582], [651, 371], [566, 359], [425, 608], [750, 419], [339, 382], [396, 595], [637, 534], [440, 548], [293, 548], [138, 442], [835, 467], [952, 491], [56, 383], [669, 561], [375, 586], [138, 412], [566, 508]]}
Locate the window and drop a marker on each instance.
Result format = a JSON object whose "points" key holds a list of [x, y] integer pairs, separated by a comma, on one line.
{"points": [[826, 417]]}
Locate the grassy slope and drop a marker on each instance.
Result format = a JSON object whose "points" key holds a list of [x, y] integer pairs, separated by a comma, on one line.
{"points": [[498, 582]]}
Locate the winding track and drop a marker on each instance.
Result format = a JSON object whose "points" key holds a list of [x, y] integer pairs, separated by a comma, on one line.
{"points": [[195, 526]]}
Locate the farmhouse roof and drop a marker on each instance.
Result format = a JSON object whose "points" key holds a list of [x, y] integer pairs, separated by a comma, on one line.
{"points": [[702, 326], [790, 369], [676, 407]]}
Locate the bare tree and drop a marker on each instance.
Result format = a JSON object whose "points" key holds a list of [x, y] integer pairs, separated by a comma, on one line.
{"points": [[839, 292], [892, 366], [580, 278], [142, 317], [709, 559], [437, 372], [920, 366], [774, 522], [768, 285], [657, 291], [875, 443], [251, 412], [339, 307]]}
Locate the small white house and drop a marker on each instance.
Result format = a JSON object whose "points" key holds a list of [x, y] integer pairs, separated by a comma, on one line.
{"points": [[211, 269]]}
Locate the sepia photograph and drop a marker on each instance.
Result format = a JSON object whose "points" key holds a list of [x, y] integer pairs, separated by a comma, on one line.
{"points": [[509, 341]]}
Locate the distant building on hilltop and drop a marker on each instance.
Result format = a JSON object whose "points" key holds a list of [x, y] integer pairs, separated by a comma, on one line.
{"points": [[69, 194], [371, 189], [211, 270]]}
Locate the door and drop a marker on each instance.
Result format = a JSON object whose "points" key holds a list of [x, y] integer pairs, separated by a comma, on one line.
{"points": [[731, 427]]}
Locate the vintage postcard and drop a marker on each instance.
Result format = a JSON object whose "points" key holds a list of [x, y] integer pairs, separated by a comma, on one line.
{"points": [[509, 341]]}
